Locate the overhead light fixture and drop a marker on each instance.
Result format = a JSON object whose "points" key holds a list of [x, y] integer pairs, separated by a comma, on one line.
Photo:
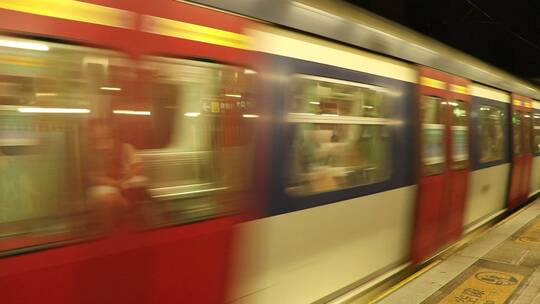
{"points": [[110, 89], [248, 71], [314, 102], [192, 114], [53, 110], [250, 115], [234, 95], [24, 45], [131, 112], [302, 114], [46, 94]]}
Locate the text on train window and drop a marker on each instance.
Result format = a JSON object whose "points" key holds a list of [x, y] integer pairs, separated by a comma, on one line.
{"points": [[341, 135], [490, 133]]}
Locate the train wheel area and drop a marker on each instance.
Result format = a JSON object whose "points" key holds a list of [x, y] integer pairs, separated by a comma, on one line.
{"points": [[500, 266]]}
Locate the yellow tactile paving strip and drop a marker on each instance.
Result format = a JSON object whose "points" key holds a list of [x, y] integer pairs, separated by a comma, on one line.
{"points": [[484, 282], [531, 236], [498, 277], [485, 285]]}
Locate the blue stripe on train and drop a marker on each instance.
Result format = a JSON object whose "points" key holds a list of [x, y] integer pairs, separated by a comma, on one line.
{"points": [[403, 143]]}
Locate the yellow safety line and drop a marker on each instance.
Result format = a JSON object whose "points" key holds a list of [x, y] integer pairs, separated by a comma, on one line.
{"points": [[73, 10], [190, 31], [405, 281]]}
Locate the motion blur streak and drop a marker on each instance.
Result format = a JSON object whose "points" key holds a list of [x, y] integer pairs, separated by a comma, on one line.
{"points": [[167, 152]]}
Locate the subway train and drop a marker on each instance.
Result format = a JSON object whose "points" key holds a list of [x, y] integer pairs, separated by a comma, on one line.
{"points": [[242, 151]]}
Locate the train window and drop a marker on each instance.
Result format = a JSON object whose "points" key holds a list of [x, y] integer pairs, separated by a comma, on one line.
{"points": [[87, 139], [48, 92], [460, 134], [527, 126], [536, 134], [191, 108], [433, 155], [341, 135], [491, 135], [516, 132]]}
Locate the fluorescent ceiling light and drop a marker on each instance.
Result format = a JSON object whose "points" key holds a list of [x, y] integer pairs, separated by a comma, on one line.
{"points": [[314, 102], [46, 94], [53, 110], [247, 71], [192, 114], [302, 114], [131, 112], [250, 115], [110, 89], [24, 45], [234, 95]]}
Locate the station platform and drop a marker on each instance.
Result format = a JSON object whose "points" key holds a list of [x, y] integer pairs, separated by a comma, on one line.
{"points": [[500, 266]]}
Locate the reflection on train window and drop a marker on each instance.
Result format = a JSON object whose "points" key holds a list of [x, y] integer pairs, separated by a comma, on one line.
{"points": [[192, 107], [516, 132], [433, 156], [490, 133], [460, 134], [536, 134], [341, 135], [47, 93], [527, 126]]}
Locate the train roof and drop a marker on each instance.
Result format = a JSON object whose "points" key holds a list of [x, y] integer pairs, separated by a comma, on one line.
{"points": [[349, 24]]}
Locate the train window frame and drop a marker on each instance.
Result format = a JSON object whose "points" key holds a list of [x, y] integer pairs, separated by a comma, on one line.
{"points": [[460, 134], [475, 148], [296, 119], [433, 165], [527, 133], [517, 150], [536, 130], [483, 107]]}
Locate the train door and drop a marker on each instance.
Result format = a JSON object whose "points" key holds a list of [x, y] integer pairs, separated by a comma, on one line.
{"points": [[203, 77], [521, 150], [443, 111]]}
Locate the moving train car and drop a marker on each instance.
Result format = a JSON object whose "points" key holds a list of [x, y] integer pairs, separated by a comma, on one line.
{"points": [[210, 151]]}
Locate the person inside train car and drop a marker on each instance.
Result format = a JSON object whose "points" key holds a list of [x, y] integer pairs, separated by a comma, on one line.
{"points": [[116, 180]]}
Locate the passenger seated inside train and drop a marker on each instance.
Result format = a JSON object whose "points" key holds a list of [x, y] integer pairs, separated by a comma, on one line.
{"points": [[115, 176]]}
